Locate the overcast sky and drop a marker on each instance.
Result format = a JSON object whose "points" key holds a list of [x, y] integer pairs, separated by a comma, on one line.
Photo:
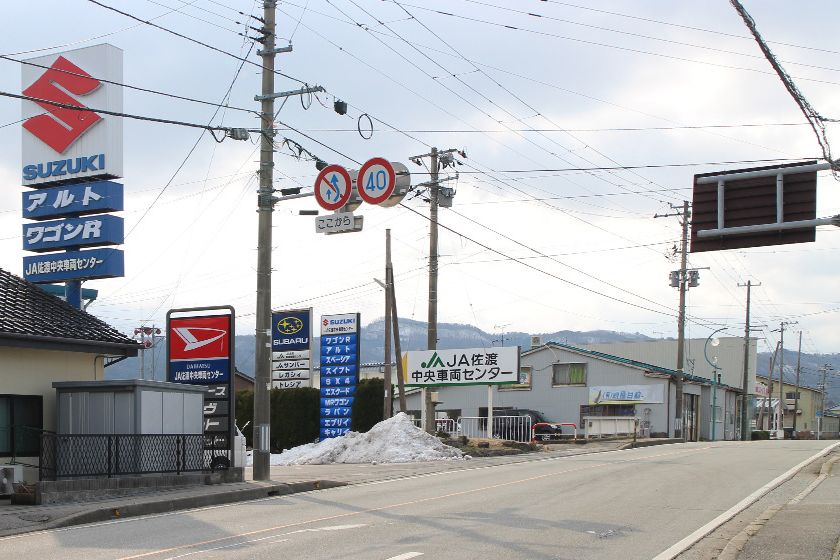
{"points": [[555, 249]]}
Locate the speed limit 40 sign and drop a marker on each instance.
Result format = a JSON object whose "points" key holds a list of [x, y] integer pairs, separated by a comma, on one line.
{"points": [[376, 180]]}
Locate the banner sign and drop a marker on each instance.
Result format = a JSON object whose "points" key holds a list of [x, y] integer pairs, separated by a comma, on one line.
{"points": [[91, 231], [339, 372], [72, 200], [627, 394], [74, 265], [470, 366], [200, 351], [291, 346]]}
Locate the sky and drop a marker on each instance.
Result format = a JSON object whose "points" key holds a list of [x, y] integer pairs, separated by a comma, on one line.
{"points": [[532, 91]]}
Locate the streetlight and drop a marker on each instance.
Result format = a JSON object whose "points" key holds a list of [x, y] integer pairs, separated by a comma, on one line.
{"points": [[715, 376]]}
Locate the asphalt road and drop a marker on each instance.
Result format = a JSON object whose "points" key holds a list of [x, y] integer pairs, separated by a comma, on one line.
{"points": [[620, 504]]}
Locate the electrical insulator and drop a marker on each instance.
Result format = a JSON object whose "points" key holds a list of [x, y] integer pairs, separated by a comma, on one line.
{"points": [[693, 278], [675, 278]]}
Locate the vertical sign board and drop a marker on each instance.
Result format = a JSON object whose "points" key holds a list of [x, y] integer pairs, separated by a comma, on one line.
{"points": [[68, 157], [200, 351], [291, 348], [339, 372]]}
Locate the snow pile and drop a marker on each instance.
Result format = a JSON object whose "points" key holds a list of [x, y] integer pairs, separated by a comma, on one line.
{"points": [[395, 440]]}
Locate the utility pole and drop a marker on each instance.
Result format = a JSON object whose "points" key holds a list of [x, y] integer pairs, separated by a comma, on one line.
{"points": [[745, 395], [429, 406], [436, 157], [397, 344], [265, 207], [781, 427], [822, 388], [682, 280], [796, 391], [388, 382]]}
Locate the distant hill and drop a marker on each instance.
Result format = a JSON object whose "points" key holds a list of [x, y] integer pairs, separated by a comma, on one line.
{"points": [[412, 336], [454, 335]]}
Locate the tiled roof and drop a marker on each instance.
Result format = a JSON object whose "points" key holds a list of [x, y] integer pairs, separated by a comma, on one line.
{"points": [[28, 312]]}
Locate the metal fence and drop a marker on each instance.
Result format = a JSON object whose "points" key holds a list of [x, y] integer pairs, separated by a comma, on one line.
{"points": [[108, 455], [512, 428]]}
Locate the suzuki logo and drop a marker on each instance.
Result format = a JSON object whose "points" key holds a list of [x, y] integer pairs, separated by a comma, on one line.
{"points": [[190, 336], [62, 126]]}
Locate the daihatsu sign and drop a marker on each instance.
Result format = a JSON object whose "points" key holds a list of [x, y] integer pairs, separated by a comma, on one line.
{"points": [[61, 144]]}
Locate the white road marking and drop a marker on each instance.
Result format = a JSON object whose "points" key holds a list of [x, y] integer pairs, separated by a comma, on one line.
{"points": [[405, 556], [679, 547], [330, 528]]}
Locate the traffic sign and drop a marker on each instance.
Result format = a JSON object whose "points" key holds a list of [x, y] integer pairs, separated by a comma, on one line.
{"points": [[376, 181], [333, 187]]}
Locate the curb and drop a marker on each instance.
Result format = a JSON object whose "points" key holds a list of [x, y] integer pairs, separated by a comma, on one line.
{"points": [[167, 505]]}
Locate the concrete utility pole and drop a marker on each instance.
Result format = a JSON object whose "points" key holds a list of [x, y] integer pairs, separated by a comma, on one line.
{"points": [[435, 155], [388, 381], [796, 391], [678, 417], [434, 191], [781, 427], [265, 207], [823, 387], [397, 344], [682, 283], [745, 395]]}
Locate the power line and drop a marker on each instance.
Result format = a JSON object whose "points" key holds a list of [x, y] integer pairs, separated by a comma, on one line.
{"points": [[127, 86], [605, 45], [681, 26], [190, 39], [639, 35], [563, 130], [40, 101]]}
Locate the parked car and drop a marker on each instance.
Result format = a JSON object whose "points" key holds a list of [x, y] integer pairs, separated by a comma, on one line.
{"points": [[512, 424]]}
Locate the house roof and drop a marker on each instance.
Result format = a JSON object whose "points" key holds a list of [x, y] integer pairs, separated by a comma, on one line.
{"points": [[628, 362], [31, 317]]}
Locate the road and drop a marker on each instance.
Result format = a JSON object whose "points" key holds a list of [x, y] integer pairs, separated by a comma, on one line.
{"points": [[620, 504]]}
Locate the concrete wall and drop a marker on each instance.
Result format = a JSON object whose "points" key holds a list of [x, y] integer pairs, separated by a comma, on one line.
{"points": [[24, 371]]}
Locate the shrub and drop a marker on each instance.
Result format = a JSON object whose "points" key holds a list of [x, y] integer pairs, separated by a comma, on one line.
{"points": [[369, 403]]}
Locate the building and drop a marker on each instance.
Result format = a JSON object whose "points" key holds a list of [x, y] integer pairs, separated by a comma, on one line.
{"points": [[767, 408], [45, 340], [567, 383]]}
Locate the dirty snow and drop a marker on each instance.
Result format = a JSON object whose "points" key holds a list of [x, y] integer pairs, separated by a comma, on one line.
{"points": [[395, 440]]}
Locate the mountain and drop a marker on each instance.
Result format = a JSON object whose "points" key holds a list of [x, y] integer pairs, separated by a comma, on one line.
{"points": [[453, 335], [810, 372], [412, 336]]}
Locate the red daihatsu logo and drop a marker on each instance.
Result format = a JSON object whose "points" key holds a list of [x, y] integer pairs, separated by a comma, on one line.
{"points": [[62, 126]]}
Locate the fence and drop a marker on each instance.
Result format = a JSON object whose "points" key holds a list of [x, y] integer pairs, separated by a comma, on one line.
{"points": [[514, 428], [600, 426], [67, 456]]}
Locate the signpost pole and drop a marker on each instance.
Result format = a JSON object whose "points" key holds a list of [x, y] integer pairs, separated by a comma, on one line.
{"points": [[489, 412], [265, 207]]}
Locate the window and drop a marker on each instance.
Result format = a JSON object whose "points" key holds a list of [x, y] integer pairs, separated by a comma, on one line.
{"points": [[792, 395], [524, 380], [568, 374], [606, 410], [21, 419]]}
